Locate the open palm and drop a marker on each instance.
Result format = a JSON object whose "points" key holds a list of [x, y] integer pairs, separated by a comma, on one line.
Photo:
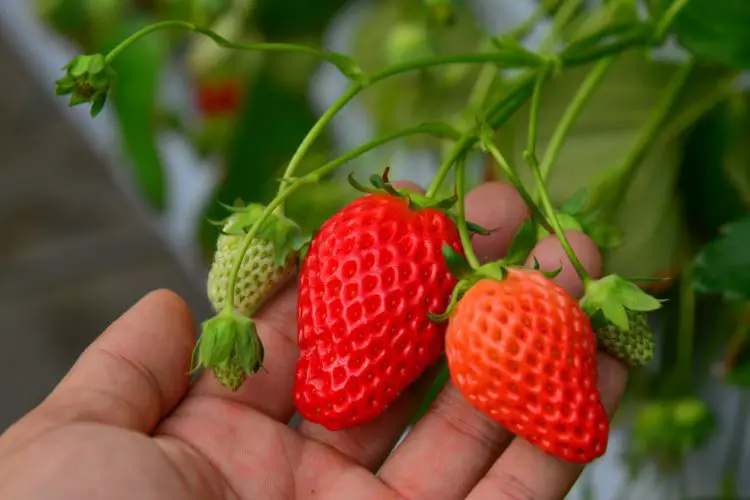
{"points": [[126, 423]]}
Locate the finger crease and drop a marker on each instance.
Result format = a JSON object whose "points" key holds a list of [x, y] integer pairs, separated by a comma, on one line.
{"points": [[509, 486], [473, 425], [144, 373], [230, 492]]}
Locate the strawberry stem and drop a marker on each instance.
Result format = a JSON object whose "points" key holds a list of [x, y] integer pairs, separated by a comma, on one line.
{"points": [[510, 58], [496, 115], [614, 183], [531, 159], [668, 18], [565, 13], [512, 176], [488, 75], [463, 231], [461, 147], [316, 130], [335, 59], [686, 328], [589, 84]]}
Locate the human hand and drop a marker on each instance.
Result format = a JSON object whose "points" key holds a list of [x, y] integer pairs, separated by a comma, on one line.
{"points": [[125, 422]]}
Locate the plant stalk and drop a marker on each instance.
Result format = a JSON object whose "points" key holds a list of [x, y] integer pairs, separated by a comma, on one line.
{"points": [[614, 184], [541, 184], [571, 114], [463, 230], [668, 18]]}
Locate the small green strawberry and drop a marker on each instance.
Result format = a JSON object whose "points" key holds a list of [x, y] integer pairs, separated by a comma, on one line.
{"points": [[266, 266], [634, 347], [229, 344]]}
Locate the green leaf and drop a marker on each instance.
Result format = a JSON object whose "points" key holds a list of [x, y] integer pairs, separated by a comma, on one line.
{"points": [[616, 314], [650, 215], [613, 296], [244, 348], [477, 229], [242, 219], [522, 243], [205, 346], [97, 104], [606, 236], [634, 298], [723, 266], [65, 85], [456, 262], [77, 99], [79, 66], [567, 222], [301, 241], [283, 234], [575, 203], [549, 274], [715, 171], [134, 100], [96, 64], [715, 30]]}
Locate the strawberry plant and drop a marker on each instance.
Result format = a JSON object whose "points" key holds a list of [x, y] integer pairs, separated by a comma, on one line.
{"points": [[630, 144]]}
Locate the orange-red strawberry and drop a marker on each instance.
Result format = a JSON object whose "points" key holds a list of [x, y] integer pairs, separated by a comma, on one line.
{"points": [[370, 277], [523, 352]]}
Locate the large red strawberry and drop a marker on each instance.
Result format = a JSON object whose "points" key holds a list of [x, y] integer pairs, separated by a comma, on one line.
{"points": [[370, 277], [523, 352]]}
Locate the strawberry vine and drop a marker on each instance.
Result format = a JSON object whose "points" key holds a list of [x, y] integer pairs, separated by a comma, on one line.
{"points": [[89, 78]]}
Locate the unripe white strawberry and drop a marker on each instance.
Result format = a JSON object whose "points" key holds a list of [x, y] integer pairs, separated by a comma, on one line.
{"points": [[229, 344], [259, 276]]}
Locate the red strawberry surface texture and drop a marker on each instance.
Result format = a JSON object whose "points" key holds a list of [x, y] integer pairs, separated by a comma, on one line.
{"points": [[370, 277], [523, 352]]}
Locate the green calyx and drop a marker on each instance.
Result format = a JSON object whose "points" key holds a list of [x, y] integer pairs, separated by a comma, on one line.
{"points": [[381, 184], [88, 79], [634, 346], [229, 346], [613, 297], [283, 233], [467, 277]]}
